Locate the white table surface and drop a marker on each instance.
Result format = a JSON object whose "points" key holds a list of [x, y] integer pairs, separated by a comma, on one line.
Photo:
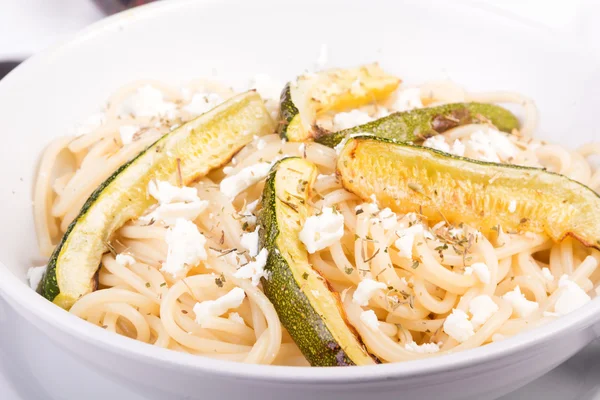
{"points": [[29, 26]]}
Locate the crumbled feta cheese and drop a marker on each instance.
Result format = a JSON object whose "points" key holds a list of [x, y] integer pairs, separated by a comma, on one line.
{"points": [[571, 298], [254, 269], [249, 241], [482, 308], [425, 348], [35, 275], [468, 271], [482, 272], [346, 120], [323, 56], [458, 148], [407, 99], [147, 101], [166, 193], [227, 170], [125, 260], [406, 240], [365, 290], [369, 318], [127, 132], [233, 185], [170, 213], [547, 274], [521, 306], [214, 308], [174, 203], [186, 247], [90, 124], [235, 317], [458, 326], [203, 102], [491, 145], [437, 142], [251, 207], [323, 230], [388, 218]]}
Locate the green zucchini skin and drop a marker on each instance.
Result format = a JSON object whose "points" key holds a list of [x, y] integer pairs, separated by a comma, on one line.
{"points": [[200, 145], [48, 286], [407, 177], [303, 322], [419, 124], [287, 111]]}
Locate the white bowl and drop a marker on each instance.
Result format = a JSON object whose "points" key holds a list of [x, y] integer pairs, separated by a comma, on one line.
{"points": [[178, 40]]}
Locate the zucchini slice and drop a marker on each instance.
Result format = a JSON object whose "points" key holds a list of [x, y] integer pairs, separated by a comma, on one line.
{"points": [[417, 125], [186, 153], [407, 178], [310, 311], [332, 90]]}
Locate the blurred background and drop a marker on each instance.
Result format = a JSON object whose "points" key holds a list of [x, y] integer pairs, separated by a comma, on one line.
{"points": [[29, 26]]}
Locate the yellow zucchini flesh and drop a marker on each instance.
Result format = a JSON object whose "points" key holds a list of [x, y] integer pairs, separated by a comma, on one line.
{"points": [[410, 178]]}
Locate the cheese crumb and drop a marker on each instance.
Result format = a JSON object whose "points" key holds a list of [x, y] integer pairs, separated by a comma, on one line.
{"points": [[90, 124], [512, 206], [491, 145], [425, 348], [407, 99], [249, 241], [571, 298], [365, 290], [482, 272], [458, 326], [482, 308], [35, 275], [406, 240], [147, 101], [254, 270], [166, 193], [214, 308], [203, 102], [233, 185], [346, 120], [323, 230], [186, 247], [125, 260], [521, 306], [174, 203], [437, 142], [127, 132], [547, 274], [369, 318], [388, 218]]}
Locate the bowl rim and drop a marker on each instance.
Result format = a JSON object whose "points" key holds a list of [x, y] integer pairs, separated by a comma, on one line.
{"points": [[22, 298]]}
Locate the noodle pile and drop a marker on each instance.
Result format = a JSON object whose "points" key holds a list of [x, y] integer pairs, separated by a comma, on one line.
{"points": [[138, 299]]}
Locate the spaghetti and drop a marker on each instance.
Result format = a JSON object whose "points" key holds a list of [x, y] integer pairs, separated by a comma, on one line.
{"points": [[138, 299]]}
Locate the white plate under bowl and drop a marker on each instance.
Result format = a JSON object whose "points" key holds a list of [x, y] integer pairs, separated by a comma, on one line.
{"points": [[177, 40]]}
